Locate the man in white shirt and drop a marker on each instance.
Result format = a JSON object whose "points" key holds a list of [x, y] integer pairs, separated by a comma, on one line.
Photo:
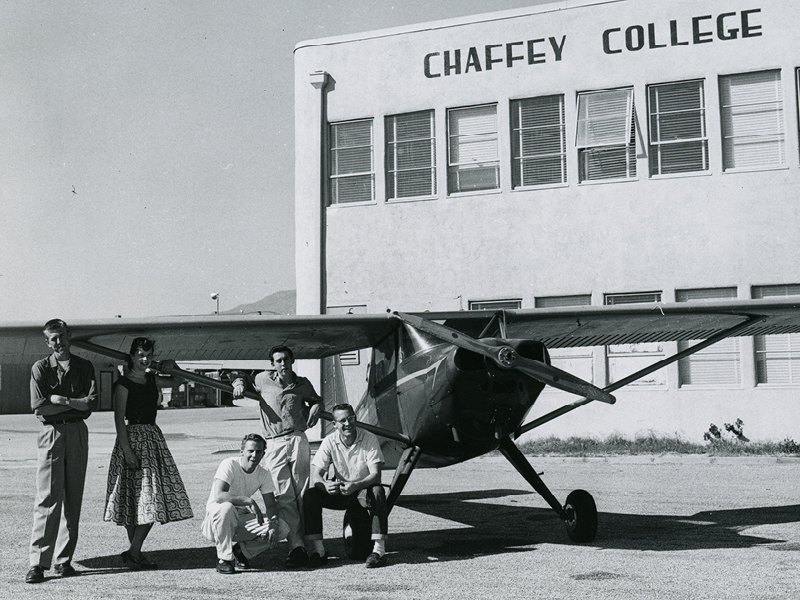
{"points": [[356, 458], [233, 513]]}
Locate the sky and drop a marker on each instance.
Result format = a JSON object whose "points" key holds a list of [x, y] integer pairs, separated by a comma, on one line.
{"points": [[147, 148]]}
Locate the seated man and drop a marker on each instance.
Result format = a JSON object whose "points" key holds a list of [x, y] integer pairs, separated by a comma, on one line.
{"points": [[356, 457], [233, 514]]}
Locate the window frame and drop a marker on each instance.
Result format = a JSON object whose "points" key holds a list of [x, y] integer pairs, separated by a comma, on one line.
{"points": [[757, 292], [729, 156], [518, 130], [587, 150], [728, 349], [333, 178], [455, 169], [656, 117], [615, 353], [391, 144]]}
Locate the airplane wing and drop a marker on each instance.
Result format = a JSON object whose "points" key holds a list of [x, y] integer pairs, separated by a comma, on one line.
{"points": [[214, 337], [635, 323], [249, 337]]}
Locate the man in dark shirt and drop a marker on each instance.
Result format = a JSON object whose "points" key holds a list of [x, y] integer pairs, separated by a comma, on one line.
{"points": [[63, 394]]}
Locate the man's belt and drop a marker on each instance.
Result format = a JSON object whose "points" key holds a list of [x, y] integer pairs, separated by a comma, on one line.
{"points": [[64, 421], [278, 435]]}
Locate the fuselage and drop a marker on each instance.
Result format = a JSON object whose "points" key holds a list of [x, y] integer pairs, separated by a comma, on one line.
{"points": [[452, 403]]}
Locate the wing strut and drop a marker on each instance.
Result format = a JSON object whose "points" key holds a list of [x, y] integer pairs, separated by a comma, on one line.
{"points": [[639, 374]]}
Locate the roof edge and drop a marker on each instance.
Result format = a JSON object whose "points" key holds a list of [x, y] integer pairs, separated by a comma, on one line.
{"points": [[549, 7]]}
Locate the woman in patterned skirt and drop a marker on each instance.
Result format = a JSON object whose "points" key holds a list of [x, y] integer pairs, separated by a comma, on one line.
{"points": [[144, 485]]}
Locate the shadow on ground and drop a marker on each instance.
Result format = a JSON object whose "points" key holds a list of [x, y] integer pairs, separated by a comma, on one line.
{"points": [[495, 529]]}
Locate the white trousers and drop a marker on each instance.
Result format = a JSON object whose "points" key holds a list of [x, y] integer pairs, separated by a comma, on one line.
{"points": [[288, 459], [225, 524]]}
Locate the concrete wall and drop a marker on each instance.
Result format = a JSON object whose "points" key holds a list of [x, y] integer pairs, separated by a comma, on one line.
{"points": [[698, 230]]}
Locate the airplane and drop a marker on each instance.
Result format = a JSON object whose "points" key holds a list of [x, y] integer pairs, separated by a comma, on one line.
{"points": [[443, 387]]}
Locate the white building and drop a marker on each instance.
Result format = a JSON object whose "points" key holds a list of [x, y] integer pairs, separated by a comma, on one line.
{"points": [[578, 152]]}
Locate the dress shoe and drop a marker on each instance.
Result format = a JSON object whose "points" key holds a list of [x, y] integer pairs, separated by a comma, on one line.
{"points": [[144, 563], [129, 562], [375, 560], [239, 559], [297, 558], [225, 567], [315, 560], [35, 575], [65, 569]]}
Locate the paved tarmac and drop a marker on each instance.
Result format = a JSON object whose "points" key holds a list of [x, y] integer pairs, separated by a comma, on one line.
{"points": [[670, 527]]}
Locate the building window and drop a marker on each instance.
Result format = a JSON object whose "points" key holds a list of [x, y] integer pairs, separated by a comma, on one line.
{"points": [[578, 361], [752, 120], [538, 141], [473, 162], [626, 359], [352, 173], [678, 138], [495, 304], [717, 365], [606, 135], [410, 155], [777, 356]]}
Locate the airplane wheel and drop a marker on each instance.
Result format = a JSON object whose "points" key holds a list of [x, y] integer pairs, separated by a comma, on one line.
{"points": [[357, 534], [582, 521]]}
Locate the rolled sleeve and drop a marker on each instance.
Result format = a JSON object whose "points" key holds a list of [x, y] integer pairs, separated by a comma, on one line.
{"points": [[40, 391]]}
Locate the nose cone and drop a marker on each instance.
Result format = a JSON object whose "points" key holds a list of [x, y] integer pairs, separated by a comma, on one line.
{"points": [[491, 402]]}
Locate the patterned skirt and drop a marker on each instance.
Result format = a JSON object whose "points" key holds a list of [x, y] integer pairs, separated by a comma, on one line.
{"points": [[152, 493]]}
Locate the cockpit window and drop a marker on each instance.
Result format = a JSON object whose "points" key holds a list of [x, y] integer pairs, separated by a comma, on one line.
{"points": [[413, 341]]}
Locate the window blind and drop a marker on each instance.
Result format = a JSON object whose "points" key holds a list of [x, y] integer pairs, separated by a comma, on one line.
{"points": [[473, 157], [606, 135], [352, 177], [410, 155], [678, 139], [538, 141], [752, 120], [777, 356], [718, 365]]}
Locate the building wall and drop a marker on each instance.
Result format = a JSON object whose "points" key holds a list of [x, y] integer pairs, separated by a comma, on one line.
{"points": [[706, 229]]}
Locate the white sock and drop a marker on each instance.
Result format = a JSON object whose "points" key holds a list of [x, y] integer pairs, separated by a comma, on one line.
{"points": [[318, 547], [379, 547]]}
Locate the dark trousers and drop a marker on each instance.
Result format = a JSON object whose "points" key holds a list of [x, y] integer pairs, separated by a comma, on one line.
{"points": [[60, 475], [373, 501]]}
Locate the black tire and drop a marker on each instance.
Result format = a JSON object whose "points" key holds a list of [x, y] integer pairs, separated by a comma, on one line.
{"points": [[357, 534], [582, 516]]}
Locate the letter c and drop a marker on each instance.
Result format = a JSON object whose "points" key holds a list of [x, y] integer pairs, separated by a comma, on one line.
{"points": [[428, 73], [607, 42]]}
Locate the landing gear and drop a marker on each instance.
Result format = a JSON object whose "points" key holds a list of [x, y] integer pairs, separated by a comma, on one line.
{"points": [[581, 519], [579, 513], [357, 533]]}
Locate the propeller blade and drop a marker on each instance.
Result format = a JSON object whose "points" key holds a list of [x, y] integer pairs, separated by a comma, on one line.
{"points": [[562, 380], [507, 358]]}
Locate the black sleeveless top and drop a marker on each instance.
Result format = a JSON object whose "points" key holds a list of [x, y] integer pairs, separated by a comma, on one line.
{"points": [[142, 400]]}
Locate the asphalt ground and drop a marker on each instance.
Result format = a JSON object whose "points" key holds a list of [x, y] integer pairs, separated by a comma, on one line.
{"points": [[670, 527]]}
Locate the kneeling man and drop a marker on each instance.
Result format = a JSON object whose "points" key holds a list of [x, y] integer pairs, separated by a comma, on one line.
{"points": [[233, 514], [356, 458]]}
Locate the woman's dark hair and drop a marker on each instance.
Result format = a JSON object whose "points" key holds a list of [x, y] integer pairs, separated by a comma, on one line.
{"points": [[144, 343]]}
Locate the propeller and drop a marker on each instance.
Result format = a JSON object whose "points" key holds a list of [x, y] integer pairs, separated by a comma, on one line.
{"points": [[507, 358]]}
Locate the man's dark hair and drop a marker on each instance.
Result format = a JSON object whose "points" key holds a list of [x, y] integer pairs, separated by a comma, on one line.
{"points": [[283, 349], [254, 437], [55, 325], [144, 343], [344, 406]]}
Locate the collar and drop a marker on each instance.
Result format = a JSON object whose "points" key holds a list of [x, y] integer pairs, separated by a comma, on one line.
{"points": [[53, 361], [296, 382], [340, 441]]}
